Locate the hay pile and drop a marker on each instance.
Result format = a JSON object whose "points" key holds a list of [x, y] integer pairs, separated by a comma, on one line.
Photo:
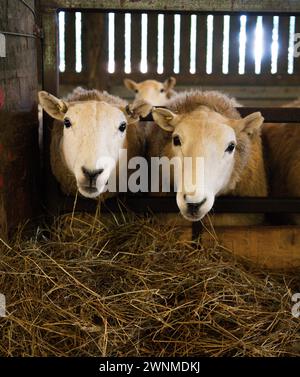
{"points": [[128, 287]]}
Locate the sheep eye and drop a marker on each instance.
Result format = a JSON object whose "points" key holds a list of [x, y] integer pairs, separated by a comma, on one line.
{"points": [[162, 90], [176, 140], [230, 147], [136, 90], [122, 126], [67, 123]]}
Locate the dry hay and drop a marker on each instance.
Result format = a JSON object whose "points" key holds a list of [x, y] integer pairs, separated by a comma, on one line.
{"points": [[128, 287]]}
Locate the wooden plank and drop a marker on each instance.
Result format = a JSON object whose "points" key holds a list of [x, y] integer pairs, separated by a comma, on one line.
{"points": [[119, 43], [168, 44], [70, 41], [201, 46], [267, 54], [283, 41], [271, 247], [152, 43], [272, 6], [234, 44], [136, 42], [19, 154], [217, 57], [51, 193], [95, 40], [297, 47], [250, 32], [185, 45]]}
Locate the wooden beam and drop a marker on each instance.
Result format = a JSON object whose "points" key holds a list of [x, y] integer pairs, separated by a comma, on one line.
{"points": [[271, 247], [275, 6]]}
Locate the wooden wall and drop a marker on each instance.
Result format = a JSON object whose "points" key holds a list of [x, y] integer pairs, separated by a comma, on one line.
{"points": [[19, 162]]}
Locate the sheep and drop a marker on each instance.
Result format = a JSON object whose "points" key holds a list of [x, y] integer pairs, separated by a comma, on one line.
{"points": [[282, 152], [152, 91], [90, 131], [206, 124]]}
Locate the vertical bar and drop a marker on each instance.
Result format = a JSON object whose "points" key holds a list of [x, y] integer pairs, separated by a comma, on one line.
{"points": [[218, 44], [70, 41], [234, 44], [95, 48], [51, 193], [168, 44], [283, 36], [201, 47], [297, 47], [135, 42], [152, 43], [185, 44], [119, 43], [267, 54], [250, 32]]}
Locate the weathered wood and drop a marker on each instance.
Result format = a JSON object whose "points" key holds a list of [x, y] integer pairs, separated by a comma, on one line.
{"points": [[201, 48], [218, 30], [19, 158], [266, 58], [185, 44], [249, 58], [152, 44], [95, 43], [119, 44], [136, 42], [271, 6], [271, 247], [283, 40], [168, 44], [234, 44], [70, 41], [50, 189], [297, 48]]}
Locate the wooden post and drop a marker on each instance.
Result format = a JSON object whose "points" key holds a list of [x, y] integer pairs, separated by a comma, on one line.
{"points": [[19, 166]]}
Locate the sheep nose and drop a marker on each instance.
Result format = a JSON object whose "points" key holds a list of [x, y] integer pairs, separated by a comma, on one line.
{"points": [[194, 207], [91, 174]]}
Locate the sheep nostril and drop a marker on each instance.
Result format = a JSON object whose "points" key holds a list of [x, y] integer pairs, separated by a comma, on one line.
{"points": [[92, 174]]}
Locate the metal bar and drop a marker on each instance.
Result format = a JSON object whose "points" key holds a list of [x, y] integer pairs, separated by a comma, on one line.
{"points": [[270, 114]]}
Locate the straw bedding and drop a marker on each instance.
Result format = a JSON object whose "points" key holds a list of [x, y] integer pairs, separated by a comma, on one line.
{"points": [[127, 286]]}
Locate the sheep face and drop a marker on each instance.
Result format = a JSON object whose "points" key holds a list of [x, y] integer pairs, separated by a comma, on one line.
{"points": [[211, 149], [152, 91], [94, 132]]}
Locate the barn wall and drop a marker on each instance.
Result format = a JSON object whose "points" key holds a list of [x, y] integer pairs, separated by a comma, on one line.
{"points": [[18, 118]]}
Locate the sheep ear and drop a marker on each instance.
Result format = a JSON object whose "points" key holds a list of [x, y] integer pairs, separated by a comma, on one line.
{"points": [[164, 118], [130, 84], [170, 83], [251, 124], [137, 109], [55, 107]]}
